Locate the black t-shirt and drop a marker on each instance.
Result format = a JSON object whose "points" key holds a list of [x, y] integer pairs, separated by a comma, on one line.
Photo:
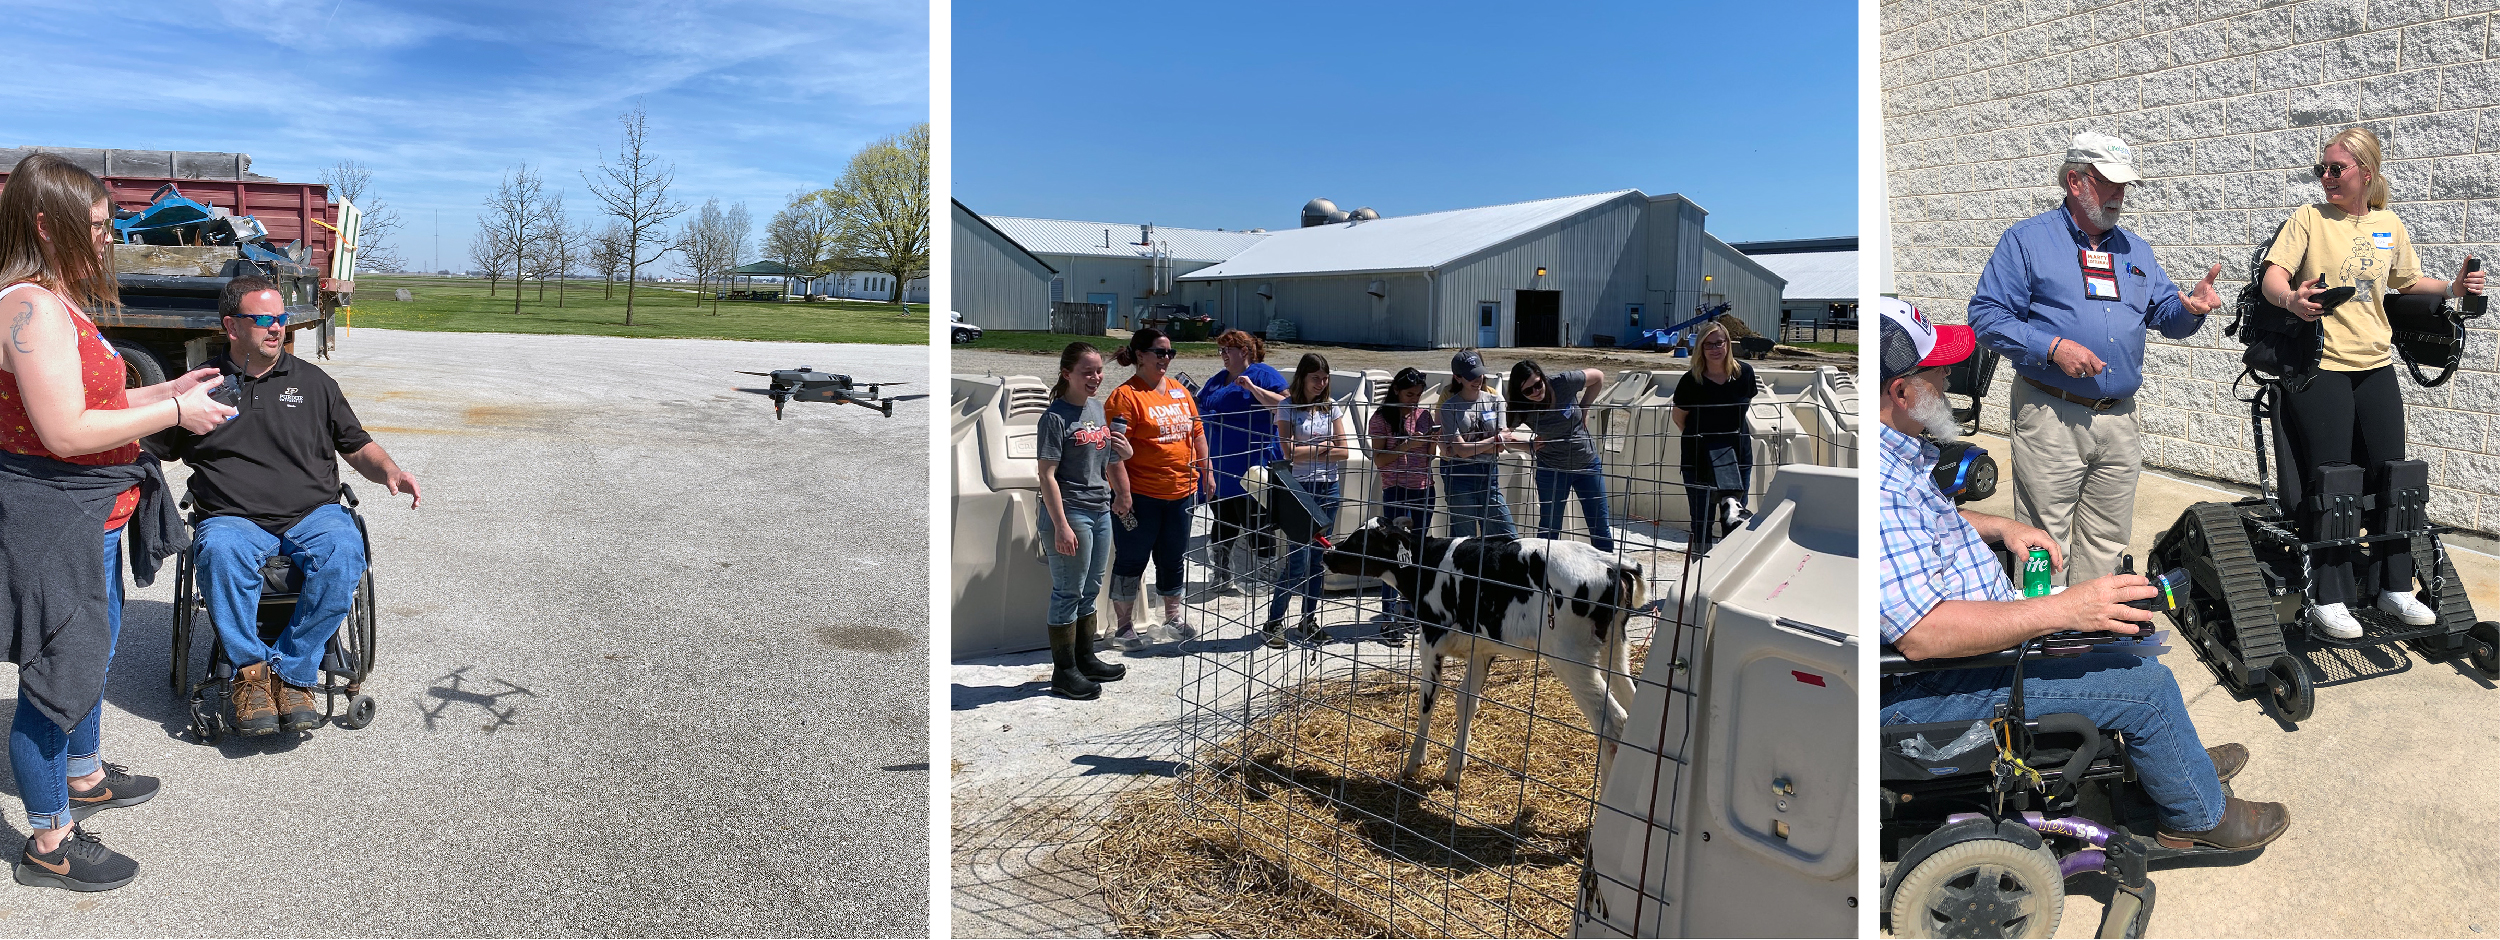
{"points": [[1718, 409], [277, 460]]}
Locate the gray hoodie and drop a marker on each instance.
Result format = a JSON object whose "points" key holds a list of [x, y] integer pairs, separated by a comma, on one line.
{"points": [[52, 576]]}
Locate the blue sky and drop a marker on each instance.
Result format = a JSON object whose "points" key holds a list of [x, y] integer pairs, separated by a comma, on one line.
{"points": [[1234, 115], [750, 100]]}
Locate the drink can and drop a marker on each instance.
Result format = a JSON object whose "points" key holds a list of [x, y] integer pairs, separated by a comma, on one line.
{"points": [[2036, 573]]}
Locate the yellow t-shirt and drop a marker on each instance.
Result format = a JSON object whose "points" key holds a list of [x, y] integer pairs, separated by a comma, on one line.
{"points": [[2371, 253]]}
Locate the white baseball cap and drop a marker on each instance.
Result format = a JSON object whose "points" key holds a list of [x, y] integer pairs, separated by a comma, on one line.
{"points": [[2108, 154]]}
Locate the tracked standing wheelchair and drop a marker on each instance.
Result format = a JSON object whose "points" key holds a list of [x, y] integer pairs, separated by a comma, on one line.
{"points": [[1983, 822], [346, 659], [2254, 561]]}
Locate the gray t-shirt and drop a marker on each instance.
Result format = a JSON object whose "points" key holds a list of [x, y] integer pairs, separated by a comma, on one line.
{"points": [[1080, 442], [1471, 422], [1562, 432], [1307, 425]]}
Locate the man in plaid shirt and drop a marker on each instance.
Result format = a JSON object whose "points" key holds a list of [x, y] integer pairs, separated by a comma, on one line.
{"points": [[1946, 595]]}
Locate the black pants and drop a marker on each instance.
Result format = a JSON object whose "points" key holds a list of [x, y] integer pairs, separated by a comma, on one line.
{"points": [[1238, 517], [2356, 418]]}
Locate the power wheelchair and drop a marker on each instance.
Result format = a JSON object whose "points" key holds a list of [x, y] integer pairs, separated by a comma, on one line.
{"points": [[345, 661], [1980, 842]]}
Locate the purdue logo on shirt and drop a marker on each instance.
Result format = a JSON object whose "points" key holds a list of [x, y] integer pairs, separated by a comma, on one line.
{"points": [[291, 398]]}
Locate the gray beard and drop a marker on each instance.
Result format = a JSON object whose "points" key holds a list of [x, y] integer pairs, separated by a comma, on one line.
{"points": [[1936, 415], [2104, 217]]}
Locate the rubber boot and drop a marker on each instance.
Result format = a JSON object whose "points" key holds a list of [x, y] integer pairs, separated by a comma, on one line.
{"points": [[1086, 662], [1065, 678]]}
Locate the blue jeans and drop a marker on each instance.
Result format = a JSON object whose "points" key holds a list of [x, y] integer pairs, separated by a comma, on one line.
{"points": [[1075, 580], [1302, 573], [1476, 507], [1163, 533], [325, 546], [2116, 691], [41, 755], [1555, 486], [1414, 506]]}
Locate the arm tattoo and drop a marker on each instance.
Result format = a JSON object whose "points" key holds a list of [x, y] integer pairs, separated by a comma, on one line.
{"points": [[25, 315]]}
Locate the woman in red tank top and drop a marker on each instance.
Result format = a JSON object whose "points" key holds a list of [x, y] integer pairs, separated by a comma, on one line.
{"points": [[62, 399]]}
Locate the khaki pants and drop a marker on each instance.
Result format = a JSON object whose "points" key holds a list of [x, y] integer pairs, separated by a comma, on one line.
{"points": [[2074, 478]]}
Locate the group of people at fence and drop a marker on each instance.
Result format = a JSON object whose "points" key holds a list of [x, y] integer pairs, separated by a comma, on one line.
{"points": [[1121, 476]]}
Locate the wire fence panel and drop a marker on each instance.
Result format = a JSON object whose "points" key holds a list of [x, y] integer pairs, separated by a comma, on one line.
{"points": [[1307, 806]]}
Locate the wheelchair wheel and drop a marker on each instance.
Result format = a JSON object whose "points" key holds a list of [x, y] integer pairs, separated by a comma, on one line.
{"points": [[2288, 686], [1981, 888], [356, 636], [2483, 650], [186, 599], [359, 713]]}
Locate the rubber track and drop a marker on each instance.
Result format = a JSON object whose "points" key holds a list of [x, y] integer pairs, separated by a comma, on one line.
{"points": [[2456, 611], [2255, 635]]}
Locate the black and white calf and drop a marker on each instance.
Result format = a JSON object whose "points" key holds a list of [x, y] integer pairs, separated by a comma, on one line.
{"points": [[1484, 598]]}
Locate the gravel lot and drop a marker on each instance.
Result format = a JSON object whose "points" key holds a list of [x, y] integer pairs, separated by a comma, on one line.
{"points": [[651, 663]]}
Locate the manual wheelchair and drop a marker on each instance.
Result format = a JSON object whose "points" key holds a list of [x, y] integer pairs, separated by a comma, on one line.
{"points": [[1980, 842], [345, 660]]}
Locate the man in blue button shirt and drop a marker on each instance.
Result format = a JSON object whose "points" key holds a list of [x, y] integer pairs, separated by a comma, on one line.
{"points": [[2067, 298]]}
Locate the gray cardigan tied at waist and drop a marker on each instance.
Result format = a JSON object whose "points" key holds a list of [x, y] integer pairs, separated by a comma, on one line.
{"points": [[52, 575]]}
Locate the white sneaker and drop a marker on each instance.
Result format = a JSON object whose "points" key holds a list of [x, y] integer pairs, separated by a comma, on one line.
{"points": [[2402, 605], [2333, 620]]}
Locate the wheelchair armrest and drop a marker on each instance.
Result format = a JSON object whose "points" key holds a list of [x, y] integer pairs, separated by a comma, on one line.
{"points": [[347, 494], [1895, 664]]}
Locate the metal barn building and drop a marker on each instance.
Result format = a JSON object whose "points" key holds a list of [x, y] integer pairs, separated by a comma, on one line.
{"points": [[996, 283], [1822, 276], [1576, 271], [1123, 266]]}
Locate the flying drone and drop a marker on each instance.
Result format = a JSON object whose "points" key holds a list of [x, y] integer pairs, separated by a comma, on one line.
{"points": [[805, 384]]}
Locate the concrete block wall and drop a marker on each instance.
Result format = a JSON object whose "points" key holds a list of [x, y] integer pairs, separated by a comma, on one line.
{"points": [[2226, 103]]}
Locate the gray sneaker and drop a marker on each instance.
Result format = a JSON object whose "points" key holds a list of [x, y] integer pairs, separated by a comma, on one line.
{"points": [[1129, 640], [1174, 631]]}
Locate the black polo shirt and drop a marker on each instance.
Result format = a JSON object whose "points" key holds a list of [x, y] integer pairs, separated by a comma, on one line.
{"points": [[277, 461]]}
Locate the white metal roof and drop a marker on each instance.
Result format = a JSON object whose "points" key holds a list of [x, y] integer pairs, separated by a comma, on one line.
{"points": [[1401, 243], [1062, 237], [1815, 275]]}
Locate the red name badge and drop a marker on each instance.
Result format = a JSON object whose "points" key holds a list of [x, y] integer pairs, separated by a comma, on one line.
{"points": [[2100, 275]]}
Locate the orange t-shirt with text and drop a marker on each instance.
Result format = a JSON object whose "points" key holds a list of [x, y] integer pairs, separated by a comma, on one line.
{"points": [[1161, 425]]}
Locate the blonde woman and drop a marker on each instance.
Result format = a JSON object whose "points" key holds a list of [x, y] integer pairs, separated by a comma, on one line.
{"points": [[2351, 412], [1710, 405]]}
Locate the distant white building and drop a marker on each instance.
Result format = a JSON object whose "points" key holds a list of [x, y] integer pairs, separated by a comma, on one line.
{"points": [[1125, 266], [862, 285], [1822, 275]]}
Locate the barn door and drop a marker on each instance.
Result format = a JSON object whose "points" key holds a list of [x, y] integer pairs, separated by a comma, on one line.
{"points": [[1539, 318]]}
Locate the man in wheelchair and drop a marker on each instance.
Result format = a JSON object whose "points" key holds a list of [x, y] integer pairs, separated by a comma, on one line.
{"points": [[267, 483], [1945, 595]]}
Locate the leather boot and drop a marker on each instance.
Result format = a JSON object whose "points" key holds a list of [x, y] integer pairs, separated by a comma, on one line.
{"points": [[2245, 825], [1086, 662], [296, 711], [255, 708], [1065, 678], [2228, 759]]}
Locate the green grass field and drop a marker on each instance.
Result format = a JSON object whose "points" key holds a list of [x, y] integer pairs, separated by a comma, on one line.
{"points": [[461, 305], [1052, 343]]}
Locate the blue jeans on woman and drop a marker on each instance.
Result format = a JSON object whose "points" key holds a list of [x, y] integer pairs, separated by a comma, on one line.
{"points": [[2118, 691], [1553, 487], [1414, 506], [1302, 572], [41, 755], [1476, 506], [1075, 580], [1162, 533]]}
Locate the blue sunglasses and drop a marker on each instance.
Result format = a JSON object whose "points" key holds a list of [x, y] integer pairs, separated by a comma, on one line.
{"points": [[262, 319]]}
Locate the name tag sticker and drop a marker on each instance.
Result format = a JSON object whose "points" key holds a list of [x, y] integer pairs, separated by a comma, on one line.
{"points": [[2100, 288], [2097, 262], [2383, 239]]}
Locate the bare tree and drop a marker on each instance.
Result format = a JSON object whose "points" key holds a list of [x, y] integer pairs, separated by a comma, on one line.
{"points": [[737, 229], [487, 254], [607, 256], [516, 216], [881, 207], [546, 252], [698, 242], [574, 244], [801, 236], [634, 188], [349, 180]]}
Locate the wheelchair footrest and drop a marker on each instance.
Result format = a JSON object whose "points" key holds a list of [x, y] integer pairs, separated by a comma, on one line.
{"points": [[2377, 629]]}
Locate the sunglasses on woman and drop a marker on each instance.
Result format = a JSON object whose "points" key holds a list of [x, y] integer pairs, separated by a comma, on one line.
{"points": [[1163, 354], [2335, 170]]}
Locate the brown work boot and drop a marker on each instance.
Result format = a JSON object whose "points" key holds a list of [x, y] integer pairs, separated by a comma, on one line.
{"points": [[295, 705], [2228, 759], [255, 709], [2245, 825]]}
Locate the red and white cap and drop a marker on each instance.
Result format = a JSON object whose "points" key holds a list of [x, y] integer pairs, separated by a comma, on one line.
{"points": [[1912, 343]]}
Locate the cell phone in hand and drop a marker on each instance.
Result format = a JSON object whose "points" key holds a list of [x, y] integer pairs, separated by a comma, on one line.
{"points": [[229, 393]]}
